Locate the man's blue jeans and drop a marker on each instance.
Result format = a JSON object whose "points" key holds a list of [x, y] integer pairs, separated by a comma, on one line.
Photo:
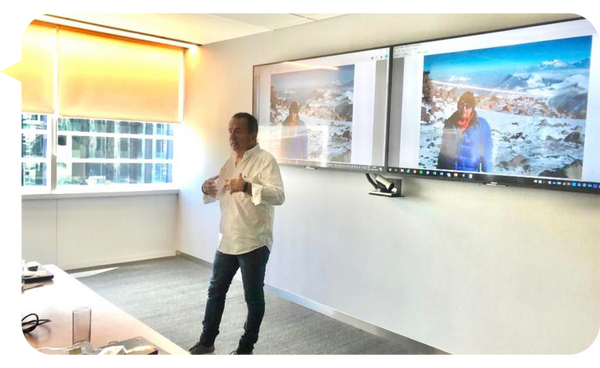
{"points": [[253, 266]]}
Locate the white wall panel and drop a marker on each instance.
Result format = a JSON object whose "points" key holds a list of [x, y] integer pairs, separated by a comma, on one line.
{"points": [[115, 229], [38, 231], [87, 232]]}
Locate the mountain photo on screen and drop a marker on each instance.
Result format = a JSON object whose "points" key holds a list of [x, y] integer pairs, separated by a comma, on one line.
{"points": [[324, 99], [534, 97]]}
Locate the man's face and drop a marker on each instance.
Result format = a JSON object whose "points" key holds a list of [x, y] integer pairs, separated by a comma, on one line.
{"points": [[465, 110], [240, 139]]}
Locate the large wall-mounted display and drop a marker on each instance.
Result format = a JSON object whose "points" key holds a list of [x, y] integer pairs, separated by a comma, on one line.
{"points": [[514, 107], [510, 107], [325, 112]]}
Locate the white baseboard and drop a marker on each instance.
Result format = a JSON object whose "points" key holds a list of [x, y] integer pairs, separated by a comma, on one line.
{"points": [[116, 260]]}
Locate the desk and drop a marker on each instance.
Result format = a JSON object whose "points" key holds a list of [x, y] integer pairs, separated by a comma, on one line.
{"points": [[56, 300]]}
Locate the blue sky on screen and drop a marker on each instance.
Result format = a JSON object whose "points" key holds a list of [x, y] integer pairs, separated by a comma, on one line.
{"points": [[508, 59]]}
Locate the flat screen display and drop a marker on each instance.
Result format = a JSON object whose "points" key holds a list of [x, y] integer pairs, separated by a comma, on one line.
{"points": [[325, 112], [516, 107]]}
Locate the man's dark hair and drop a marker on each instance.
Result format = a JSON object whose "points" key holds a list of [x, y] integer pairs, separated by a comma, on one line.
{"points": [[252, 122]]}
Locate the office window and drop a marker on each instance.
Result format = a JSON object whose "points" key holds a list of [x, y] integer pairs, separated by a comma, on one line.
{"points": [[95, 151], [34, 150], [69, 78]]}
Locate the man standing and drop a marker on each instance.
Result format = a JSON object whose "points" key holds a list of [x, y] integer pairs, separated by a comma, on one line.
{"points": [[467, 139], [248, 186]]}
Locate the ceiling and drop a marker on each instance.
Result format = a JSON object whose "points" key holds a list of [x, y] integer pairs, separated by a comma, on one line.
{"points": [[196, 28]]}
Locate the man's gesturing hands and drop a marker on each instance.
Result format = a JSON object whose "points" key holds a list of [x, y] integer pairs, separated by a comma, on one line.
{"points": [[235, 185], [209, 187]]}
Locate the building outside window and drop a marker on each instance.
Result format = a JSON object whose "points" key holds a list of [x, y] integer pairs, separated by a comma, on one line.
{"points": [[34, 150], [96, 151]]}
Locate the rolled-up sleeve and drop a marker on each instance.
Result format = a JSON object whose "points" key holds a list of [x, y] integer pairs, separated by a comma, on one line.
{"points": [[269, 187], [220, 183], [208, 199]]}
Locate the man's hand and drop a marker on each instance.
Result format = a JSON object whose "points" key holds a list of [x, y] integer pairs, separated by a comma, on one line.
{"points": [[235, 185], [209, 187]]}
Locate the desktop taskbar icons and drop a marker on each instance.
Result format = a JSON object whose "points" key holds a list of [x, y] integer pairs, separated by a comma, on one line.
{"points": [[356, 167], [571, 184], [468, 176], [435, 173]]}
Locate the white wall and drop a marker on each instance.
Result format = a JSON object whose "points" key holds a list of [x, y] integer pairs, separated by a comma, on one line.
{"points": [[87, 232], [464, 268]]}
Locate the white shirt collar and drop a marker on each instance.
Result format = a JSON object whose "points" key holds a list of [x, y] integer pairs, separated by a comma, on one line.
{"points": [[249, 152]]}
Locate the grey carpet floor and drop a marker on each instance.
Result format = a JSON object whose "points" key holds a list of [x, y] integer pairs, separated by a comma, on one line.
{"points": [[169, 295]]}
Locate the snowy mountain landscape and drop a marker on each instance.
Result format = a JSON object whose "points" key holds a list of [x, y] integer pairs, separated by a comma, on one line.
{"points": [[537, 117], [561, 85], [327, 112]]}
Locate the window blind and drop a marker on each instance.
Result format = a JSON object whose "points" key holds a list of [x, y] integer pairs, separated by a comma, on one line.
{"points": [[36, 70], [104, 76]]}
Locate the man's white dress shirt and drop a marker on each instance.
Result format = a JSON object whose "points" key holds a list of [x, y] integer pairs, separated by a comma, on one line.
{"points": [[247, 220]]}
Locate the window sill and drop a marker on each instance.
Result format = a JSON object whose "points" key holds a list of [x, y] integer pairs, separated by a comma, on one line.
{"points": [[101, 191]]}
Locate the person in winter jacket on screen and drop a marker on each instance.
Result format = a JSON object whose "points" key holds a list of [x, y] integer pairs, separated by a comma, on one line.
{"points": [[294, 138], [466, 140]]}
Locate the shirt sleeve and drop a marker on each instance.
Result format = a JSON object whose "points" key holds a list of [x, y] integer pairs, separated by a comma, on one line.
{"points": [[206, 199], [269, 187]]}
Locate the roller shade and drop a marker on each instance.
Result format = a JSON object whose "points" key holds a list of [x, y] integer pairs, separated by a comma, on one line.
{"points": [[36, 71], [109, 77]]}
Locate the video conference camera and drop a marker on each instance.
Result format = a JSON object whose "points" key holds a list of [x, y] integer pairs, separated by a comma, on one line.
{"points": [[385, 187]]}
